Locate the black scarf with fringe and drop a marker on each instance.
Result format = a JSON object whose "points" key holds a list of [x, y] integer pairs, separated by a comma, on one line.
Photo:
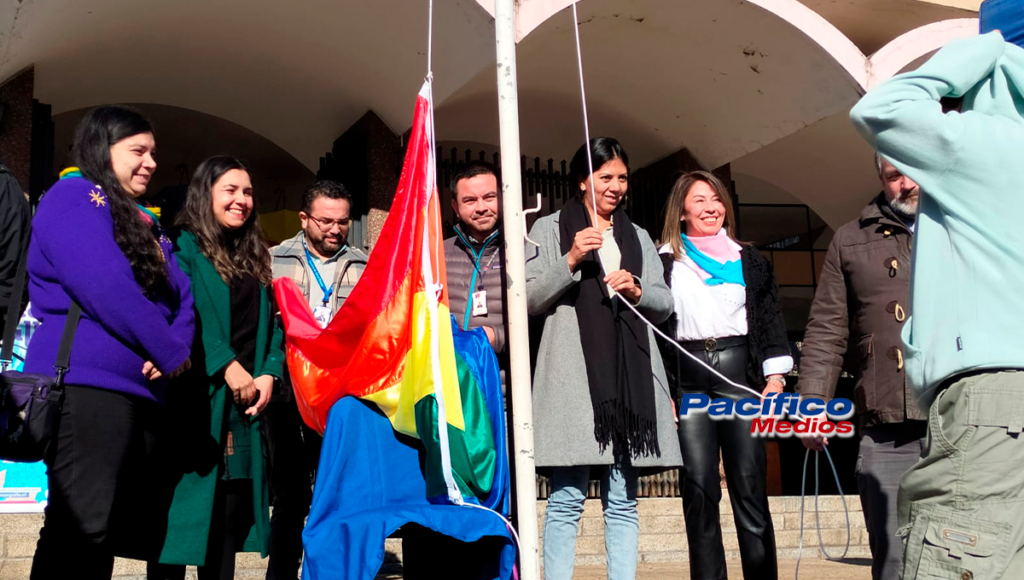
{"points": [[616, 348]]}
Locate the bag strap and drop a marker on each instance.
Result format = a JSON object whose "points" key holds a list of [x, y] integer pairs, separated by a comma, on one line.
{"points": [[11, 323], [13, 308], [66, 338]]}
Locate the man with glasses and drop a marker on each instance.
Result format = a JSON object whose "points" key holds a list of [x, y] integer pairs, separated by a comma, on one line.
{"points": [[326, 268]]}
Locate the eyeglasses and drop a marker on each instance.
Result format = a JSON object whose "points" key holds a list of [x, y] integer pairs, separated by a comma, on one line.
{"points": [[327, 225]]}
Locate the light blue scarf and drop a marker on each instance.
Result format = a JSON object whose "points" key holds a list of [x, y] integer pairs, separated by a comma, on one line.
{"points": [[727, 273]]}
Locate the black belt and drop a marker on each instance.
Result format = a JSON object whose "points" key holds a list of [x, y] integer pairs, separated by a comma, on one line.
{"points": [[714, 344]]}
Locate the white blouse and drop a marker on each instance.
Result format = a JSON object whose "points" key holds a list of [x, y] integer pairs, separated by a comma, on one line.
{"points": [[706, 311]]}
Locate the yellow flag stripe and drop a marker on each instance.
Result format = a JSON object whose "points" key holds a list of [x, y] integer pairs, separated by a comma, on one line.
{"points": [[398, 402]]}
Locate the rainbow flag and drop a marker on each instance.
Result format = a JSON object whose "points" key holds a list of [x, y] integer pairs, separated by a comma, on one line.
{"points": [[391, 343]]}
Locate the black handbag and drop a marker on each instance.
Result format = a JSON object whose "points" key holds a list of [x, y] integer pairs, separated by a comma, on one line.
{"points": [[30, 404]]}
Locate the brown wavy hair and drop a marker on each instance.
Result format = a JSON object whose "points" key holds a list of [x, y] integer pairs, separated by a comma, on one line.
{"points": [[232, 252], [673, 230]]}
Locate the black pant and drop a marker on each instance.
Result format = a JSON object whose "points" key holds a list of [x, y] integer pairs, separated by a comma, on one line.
{"points": [[99, 474], [886, 452], [746, 468], [422, 550], [232, 520], [293, 453]]}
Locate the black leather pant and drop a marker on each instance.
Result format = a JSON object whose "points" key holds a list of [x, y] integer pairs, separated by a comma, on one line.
{"points": [[745, 460]]}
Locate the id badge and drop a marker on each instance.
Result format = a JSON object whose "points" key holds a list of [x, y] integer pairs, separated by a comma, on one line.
{"points": [[480, 303], [322, 314]]}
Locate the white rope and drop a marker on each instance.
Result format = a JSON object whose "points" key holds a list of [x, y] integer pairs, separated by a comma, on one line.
{"points": [[586, 117], [508, 524], [593, 194], [428, 263], [453, 491], [430, 42], [686, 352], [593, 198]]}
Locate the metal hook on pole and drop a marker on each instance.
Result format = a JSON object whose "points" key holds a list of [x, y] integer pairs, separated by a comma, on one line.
{"points": [[540, 202]]}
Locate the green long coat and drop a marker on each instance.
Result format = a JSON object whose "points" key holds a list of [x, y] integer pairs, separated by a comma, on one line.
{"points": [[197, 406]]}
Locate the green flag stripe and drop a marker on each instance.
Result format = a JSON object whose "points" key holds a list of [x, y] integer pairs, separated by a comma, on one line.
{"points": [[472, 451]]}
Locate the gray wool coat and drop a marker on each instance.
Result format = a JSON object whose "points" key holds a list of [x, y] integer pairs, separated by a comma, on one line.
{"points": [[563, 415]]}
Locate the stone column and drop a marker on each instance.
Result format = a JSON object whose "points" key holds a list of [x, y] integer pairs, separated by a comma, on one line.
{"points": [[16, 126], [367, 159]]}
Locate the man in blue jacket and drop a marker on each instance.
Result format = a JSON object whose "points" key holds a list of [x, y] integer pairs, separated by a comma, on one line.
{"points": [[961, 507]]}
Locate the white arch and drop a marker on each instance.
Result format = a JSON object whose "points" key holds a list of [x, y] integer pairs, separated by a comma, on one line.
{"points": [[532, 13], [823, 33], [906, 48], [866, 71]]}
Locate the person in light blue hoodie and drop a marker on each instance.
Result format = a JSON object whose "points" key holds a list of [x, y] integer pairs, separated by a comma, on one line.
{"points": [[961, 507]]}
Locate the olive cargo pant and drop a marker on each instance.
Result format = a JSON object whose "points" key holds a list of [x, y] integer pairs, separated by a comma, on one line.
{"points": [[961, 507]]}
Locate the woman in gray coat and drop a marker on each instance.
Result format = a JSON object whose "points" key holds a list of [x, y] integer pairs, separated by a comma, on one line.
{"points": [[600, 394]]}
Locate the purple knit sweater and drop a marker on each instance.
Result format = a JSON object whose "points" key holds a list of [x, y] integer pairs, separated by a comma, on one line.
{"points": [[72, 254]]}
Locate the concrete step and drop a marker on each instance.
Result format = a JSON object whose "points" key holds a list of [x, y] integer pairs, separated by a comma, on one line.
{"points": [[662, 537]]}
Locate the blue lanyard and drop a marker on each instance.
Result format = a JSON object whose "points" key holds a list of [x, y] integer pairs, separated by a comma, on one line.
{"points": [[476, 269], [316, 274], [476, 256]]}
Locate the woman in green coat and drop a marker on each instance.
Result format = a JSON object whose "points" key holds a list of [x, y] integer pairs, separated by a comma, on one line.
{"points": [[214, 453]]}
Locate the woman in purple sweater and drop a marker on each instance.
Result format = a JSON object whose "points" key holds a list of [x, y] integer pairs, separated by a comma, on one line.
{"points": [[93, 244]]}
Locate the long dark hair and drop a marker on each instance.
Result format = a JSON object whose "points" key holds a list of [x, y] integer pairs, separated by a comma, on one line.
{"points": [[232, 252], [602, 150], [97, 132]]}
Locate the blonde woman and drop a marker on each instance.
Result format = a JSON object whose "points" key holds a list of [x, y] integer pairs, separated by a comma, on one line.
{"points": [[727, 312]]}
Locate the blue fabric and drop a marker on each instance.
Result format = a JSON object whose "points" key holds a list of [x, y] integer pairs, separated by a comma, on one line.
{"points": [[1006, 16], [727, 273], [369, 484]]}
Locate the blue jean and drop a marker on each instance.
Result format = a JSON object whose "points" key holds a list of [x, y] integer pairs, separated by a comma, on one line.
{"points": [[562, 519]]}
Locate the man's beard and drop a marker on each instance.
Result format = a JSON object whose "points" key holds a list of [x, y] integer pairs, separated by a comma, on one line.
{"points": [[904, 210], [323, 247]]}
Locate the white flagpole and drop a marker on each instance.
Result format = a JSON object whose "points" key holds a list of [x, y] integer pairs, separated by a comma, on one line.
{"points": [[515, 269]]}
